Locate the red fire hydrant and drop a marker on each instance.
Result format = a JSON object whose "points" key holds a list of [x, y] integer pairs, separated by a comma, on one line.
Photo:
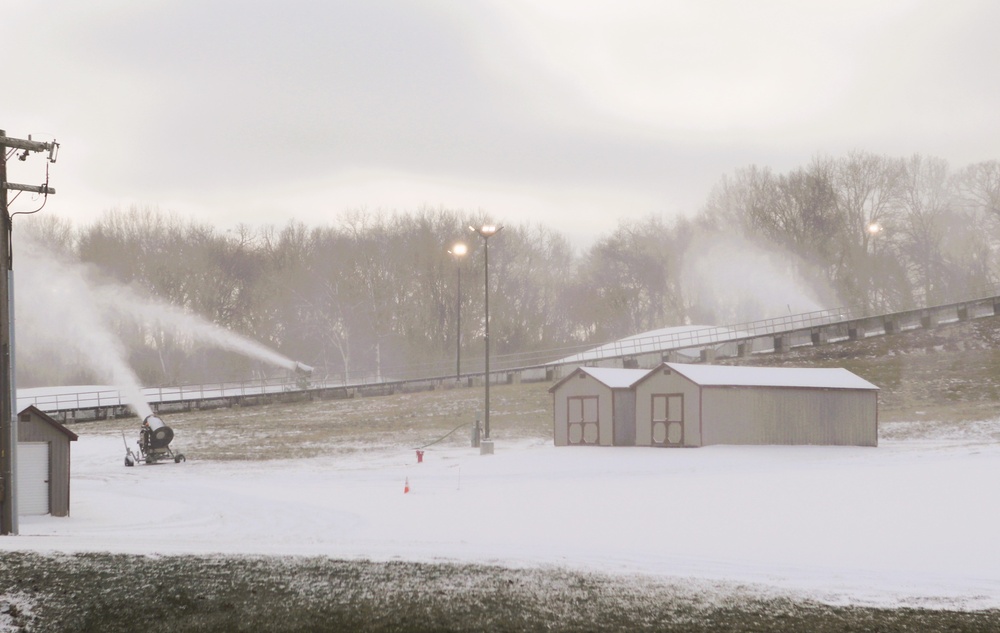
{"points": [[420, 457]]}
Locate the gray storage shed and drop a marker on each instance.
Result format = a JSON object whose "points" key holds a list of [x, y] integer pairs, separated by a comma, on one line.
{"points": [[595, 405], [697, 405], [43, 464]]}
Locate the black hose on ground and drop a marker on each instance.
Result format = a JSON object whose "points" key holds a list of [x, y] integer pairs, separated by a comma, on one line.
{"points": [[443, 436]]}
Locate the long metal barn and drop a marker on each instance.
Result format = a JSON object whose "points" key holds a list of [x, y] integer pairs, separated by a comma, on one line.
{"points": [[678, 405]]}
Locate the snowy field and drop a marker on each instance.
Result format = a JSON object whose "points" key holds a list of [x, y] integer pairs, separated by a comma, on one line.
{"points": [[913, 522]]}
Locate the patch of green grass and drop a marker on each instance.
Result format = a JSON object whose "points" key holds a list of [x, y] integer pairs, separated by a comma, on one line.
{"points": [[112, 593], [307, 429]]}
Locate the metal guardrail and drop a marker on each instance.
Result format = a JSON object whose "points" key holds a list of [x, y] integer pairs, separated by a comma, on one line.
{"points": [[694, 338], [502, 363], [74, 400], [716, 335], [702, 337], [101, 398]]}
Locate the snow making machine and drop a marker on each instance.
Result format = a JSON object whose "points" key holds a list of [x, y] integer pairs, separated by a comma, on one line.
{"points": [[154, 443]]}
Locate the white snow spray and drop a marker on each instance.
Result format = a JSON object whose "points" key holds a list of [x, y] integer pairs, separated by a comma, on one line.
{"points": [[740, 282], [56, 312], [143, 309], [63, 309]]}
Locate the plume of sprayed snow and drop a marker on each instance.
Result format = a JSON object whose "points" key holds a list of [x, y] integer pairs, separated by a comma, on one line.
{"points": [[64, 315], [732, 280], [65, 308], [149, 311]]}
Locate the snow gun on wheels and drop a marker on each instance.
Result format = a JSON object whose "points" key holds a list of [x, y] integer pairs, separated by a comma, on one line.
{"points": [[302, 369], [302, 373], [154, 443]]}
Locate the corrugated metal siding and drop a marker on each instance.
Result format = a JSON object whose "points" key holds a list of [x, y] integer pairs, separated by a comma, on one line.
{"points": [[692, 411], [559, 432], [643, 414], [762, 415], [624, 426]]}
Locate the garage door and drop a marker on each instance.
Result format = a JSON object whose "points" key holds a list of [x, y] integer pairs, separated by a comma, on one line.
{"points": [[32, 478]]}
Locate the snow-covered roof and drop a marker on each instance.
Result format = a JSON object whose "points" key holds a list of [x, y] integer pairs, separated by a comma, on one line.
{"points": [[611, 377], [615, 377], [738, 376], [732, 376], [679, 337]]}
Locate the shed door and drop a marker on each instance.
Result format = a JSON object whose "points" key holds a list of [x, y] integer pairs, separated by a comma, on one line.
{"points": [[32, 478], [667, 424], [583, 423]]}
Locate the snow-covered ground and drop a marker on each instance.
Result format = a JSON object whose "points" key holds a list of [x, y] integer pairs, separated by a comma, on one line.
{"points": [[912, 522]]}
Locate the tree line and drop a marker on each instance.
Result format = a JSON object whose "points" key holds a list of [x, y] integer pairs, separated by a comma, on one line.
{"points": [[375, 292]]}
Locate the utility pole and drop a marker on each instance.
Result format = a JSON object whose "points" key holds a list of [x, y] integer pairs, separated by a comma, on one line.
{"points": [[8, 393]]}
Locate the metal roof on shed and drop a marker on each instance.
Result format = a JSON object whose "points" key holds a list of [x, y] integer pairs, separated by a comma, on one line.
{"points": [[616, 378], [738, 376], [612, 377]]}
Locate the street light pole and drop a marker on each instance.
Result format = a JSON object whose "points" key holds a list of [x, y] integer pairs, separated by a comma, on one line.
{"points": [[458, 251], [487, 231], [874, 229]]}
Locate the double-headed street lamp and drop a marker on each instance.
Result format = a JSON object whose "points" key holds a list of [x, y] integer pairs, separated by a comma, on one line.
{"points": [[487, 231], [458, 251]]}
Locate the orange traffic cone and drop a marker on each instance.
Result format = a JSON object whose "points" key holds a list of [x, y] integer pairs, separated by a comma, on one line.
{"points": [[406, 486]]}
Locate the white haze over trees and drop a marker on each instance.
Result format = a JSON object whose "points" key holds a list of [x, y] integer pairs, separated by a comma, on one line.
{"points": [[377, 292], [731, 280], [67, 310]]}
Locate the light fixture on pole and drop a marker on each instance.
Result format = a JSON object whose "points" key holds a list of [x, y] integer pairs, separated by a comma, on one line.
{"points": [[458, 251], [487, 231], [874, 230]]}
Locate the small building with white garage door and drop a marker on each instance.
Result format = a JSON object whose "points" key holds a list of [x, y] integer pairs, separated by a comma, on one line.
{"points": [[681, 404], [595, 405], [43, 464]]}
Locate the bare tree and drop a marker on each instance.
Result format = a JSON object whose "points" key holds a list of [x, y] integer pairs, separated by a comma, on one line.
{"points": [[924, 223], [869, 201], [978, 186], [528, 265], [629, 281]]}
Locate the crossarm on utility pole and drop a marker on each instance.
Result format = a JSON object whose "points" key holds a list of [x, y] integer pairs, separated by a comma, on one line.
{"points": [[13, 186], [31, 146]]}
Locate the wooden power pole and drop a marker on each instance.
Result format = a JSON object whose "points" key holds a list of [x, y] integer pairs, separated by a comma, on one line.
{"points": [[8, 394]]}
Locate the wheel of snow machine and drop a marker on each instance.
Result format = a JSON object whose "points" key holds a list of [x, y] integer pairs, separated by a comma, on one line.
{"points": [[129, 461], [179, 457]]}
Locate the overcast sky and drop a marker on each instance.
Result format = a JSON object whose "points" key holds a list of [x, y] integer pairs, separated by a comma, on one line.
{"points": [[569, 113]]}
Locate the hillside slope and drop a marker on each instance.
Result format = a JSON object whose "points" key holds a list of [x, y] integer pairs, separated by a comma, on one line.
{"points": [[947, 373]]}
